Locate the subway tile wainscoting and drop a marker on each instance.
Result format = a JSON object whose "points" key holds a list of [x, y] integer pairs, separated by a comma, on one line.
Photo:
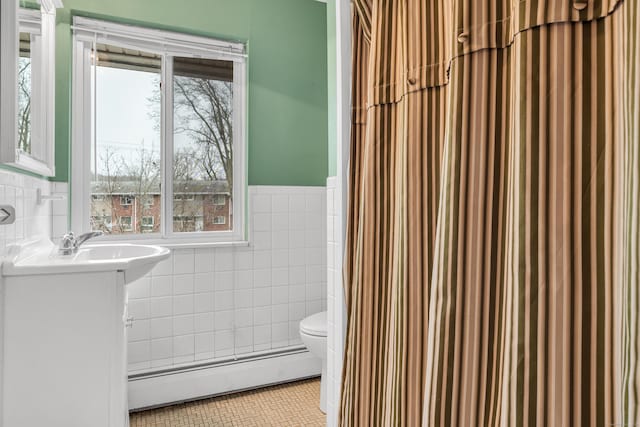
{"points": [[32, 219], [211, 306], [210, 303], [59, 209]]}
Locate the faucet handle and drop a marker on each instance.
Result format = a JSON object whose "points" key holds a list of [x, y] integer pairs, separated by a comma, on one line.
{"points": [[68, 243], [68, 239]]}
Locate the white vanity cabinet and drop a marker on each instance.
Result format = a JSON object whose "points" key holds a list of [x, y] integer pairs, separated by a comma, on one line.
{"points": [[63, 333], [65, 350]]}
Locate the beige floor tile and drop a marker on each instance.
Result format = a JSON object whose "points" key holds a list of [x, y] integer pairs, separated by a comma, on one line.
{"points": [[294, 404]]}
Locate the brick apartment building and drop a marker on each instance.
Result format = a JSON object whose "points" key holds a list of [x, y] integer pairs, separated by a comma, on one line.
{"points": [[125, 209]]}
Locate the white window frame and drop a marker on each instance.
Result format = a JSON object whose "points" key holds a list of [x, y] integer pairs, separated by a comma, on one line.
{"points": [[224, 220], [167, 44], [220, 195], [144, 226], [125, 198], [184, 197], [123, 225], [40, 23]]}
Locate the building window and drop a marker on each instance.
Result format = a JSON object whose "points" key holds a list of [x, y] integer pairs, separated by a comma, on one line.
{"points": [[125, 223], [147, 201], [101, 222], [219, 220], [219, 199], [166, 170], [146, 224]]}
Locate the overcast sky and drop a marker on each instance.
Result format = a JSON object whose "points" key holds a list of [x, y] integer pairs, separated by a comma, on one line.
{"points": [[122, 111]]}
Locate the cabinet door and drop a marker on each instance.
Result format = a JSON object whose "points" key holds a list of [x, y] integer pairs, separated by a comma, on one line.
{"points": [[58, 350]]}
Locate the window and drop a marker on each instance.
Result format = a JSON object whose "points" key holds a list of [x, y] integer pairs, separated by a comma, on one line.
{"points": [[146, 224], [219, 199], [178, 102], [147, 202], [125, 223], [101, 222], [126, 200], [190, 223]]}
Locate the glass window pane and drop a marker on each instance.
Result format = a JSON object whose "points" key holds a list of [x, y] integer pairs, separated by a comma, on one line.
{"points": [[125, 185], [24, 94], [203, 149]]}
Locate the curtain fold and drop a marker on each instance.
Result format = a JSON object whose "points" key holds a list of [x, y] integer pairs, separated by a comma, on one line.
{"points": [[416, 41], [491, 268]]}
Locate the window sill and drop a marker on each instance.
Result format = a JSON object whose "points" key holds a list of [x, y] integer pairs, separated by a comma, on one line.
{"points": [[173, 243], [196, 245]]}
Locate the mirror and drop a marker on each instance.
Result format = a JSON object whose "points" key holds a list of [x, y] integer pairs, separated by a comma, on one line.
{"points": [[27, 84], [8, 74]]}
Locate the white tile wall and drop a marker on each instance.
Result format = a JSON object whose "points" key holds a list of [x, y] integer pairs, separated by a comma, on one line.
{"points": [[203, 304], [32, 219], [59, 209], [335, 302]]}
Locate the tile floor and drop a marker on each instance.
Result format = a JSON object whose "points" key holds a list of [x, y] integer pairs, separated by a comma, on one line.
{"points": [[293, 404]]}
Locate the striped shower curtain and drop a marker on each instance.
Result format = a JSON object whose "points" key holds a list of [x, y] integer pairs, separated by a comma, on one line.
{"points": [[492, 261]]}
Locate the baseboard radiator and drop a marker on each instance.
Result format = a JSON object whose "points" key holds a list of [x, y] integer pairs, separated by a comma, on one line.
{"points": [[222, 376]]}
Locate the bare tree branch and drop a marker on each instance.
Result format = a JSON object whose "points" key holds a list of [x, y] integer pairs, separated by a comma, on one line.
{"points": [[24, 105]]}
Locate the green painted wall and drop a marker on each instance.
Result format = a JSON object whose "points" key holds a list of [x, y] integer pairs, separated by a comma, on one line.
{"points": [[29, 4], [331, 87], [287, 66]]}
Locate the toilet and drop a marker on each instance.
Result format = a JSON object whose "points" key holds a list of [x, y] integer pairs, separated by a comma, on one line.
{"points": [[313, 331]]}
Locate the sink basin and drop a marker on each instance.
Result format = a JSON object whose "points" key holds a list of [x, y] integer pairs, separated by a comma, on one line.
{"points": [[110, 252], [39, 256]]}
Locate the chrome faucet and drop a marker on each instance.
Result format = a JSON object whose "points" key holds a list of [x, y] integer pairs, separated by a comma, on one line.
{"points": [[70, 243]]}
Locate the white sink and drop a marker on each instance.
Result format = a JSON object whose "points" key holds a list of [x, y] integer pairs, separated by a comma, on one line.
{"points": [[40, 256], [63, 332]]}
